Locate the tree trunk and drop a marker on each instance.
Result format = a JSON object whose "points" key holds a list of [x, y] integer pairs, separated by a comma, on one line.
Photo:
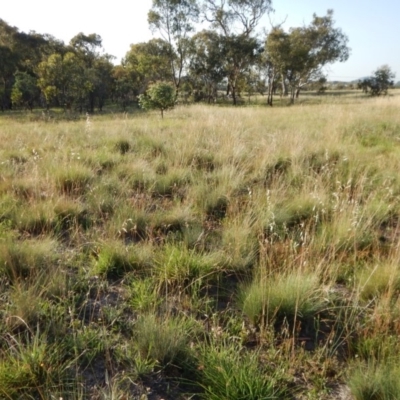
{"points": [[270, 91], [284, 88], [292, 95]]}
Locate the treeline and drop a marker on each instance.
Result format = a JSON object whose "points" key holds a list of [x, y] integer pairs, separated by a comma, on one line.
{"points": [[39, 70]]}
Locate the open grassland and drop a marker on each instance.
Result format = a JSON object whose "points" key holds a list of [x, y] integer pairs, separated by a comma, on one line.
{"points": [[221, 253]]}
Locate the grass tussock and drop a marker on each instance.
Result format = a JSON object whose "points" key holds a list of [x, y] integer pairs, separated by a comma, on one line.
{"points": [[291, 297]]}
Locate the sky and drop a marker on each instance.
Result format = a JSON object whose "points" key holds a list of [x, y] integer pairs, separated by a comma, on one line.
{"points": [[373, 27]]}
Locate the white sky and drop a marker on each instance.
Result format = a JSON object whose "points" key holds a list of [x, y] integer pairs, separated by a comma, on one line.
{"points": [[373, 27]]}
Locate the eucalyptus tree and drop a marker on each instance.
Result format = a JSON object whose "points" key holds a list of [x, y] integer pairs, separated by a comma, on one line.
{"points": [[174, 20], [124, 88], [276, 58], [236, 21], [300, 54], [19, 51]]}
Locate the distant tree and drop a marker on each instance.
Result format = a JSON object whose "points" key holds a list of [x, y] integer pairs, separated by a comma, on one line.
{"points": [[159, 96], [236, 22], [174, 20], [299, 55], [62, 80], [381, 80]]}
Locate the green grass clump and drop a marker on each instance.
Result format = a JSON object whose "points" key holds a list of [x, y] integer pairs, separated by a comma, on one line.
{"points": [[228, 372], [292, 296], [178, 267], [71, 215], [27, 259], [113, 261], [123, 146], [375, 281], [74, 181], [372, 381], [34, 368], [166, 339], [143, 295], [36, 220]]}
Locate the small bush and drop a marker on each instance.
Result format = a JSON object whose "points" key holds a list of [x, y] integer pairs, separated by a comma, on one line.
{"points": [[159, 96]]}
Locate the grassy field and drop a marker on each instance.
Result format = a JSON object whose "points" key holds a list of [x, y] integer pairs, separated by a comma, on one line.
{"points": [[220, 253]]}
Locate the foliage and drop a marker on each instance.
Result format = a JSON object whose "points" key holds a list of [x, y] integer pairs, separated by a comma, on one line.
{"points": [[148, 63]]}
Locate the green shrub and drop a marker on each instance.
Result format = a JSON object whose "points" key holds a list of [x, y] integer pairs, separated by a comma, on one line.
{"points": [[159, 96]]}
